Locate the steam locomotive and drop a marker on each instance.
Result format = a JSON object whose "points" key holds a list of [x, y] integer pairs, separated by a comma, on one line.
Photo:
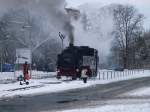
{"points": [[73, 59]]}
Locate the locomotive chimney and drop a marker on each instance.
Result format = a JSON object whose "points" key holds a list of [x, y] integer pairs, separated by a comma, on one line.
{"points": [[71, 45]]}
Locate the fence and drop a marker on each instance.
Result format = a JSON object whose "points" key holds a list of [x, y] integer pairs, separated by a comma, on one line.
{"points": [[8, 77], [43, 75], [106, 75]]}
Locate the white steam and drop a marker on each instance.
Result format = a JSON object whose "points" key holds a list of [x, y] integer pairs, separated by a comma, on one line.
{"points": [[52, 12], [54, 18], [99, 30]]}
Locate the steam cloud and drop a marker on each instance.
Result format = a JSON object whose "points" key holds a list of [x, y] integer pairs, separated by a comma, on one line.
{"points": [[53, 9]]}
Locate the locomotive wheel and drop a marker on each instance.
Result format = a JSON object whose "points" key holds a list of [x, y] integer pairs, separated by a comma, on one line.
{"points": [[27, 83], [74, 78], [58, 77], [21, 83]]}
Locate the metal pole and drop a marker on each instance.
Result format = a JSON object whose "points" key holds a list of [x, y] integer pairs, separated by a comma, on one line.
{"points": [[18, 63], [30, 52], [106, 75], [62, 37], [31, 64], [15, 67], [62, 44], [1, 62], [103, 75], [99, 75], [111, 74]]}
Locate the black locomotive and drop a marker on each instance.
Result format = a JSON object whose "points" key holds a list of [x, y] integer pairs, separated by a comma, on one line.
{"points": [[73, 59]]}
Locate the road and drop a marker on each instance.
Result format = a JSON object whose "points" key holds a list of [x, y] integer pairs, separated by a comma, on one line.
{"points": [[94, 95]]}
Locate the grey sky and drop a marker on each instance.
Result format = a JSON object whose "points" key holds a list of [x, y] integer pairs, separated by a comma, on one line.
{"points": [[142, 5]]}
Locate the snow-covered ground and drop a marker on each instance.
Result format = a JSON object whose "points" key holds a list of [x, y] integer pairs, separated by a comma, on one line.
{"points": [[5, 76], [141, 103], [141, 92], [115, 108], [49, 85], [134, 101]]}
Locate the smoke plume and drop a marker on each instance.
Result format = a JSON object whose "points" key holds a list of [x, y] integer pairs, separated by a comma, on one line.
{"points": [[54, 10]]}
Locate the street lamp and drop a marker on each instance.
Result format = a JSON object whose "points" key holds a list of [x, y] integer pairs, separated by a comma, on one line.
{"points": [[25, 27], [1, 61], [30, 46], [62, 37]]}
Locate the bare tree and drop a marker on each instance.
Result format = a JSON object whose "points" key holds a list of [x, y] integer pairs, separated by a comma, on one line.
{"points": [[21, 29], [127, 23]]}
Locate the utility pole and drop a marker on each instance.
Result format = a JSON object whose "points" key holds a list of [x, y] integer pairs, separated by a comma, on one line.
{"points": [[1, 62], [62, 37], [30, 45]]}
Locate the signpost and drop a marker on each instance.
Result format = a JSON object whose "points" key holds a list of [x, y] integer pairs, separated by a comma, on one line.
{"points": [[23, 55], [62, 37]]}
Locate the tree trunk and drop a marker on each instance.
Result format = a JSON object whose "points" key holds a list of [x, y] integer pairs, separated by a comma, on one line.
{"points": [[125, 62]]}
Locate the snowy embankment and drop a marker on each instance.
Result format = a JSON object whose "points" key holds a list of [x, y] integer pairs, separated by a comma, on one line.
{"points": [[49, 85]]}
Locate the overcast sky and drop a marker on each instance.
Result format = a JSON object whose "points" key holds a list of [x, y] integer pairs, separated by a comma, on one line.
{"points": [[142, 5]]}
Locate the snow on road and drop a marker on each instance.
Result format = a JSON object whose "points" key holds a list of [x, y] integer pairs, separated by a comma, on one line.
{"points": [[134, 101], [115, 108], [49, 85], [139, 92]]}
